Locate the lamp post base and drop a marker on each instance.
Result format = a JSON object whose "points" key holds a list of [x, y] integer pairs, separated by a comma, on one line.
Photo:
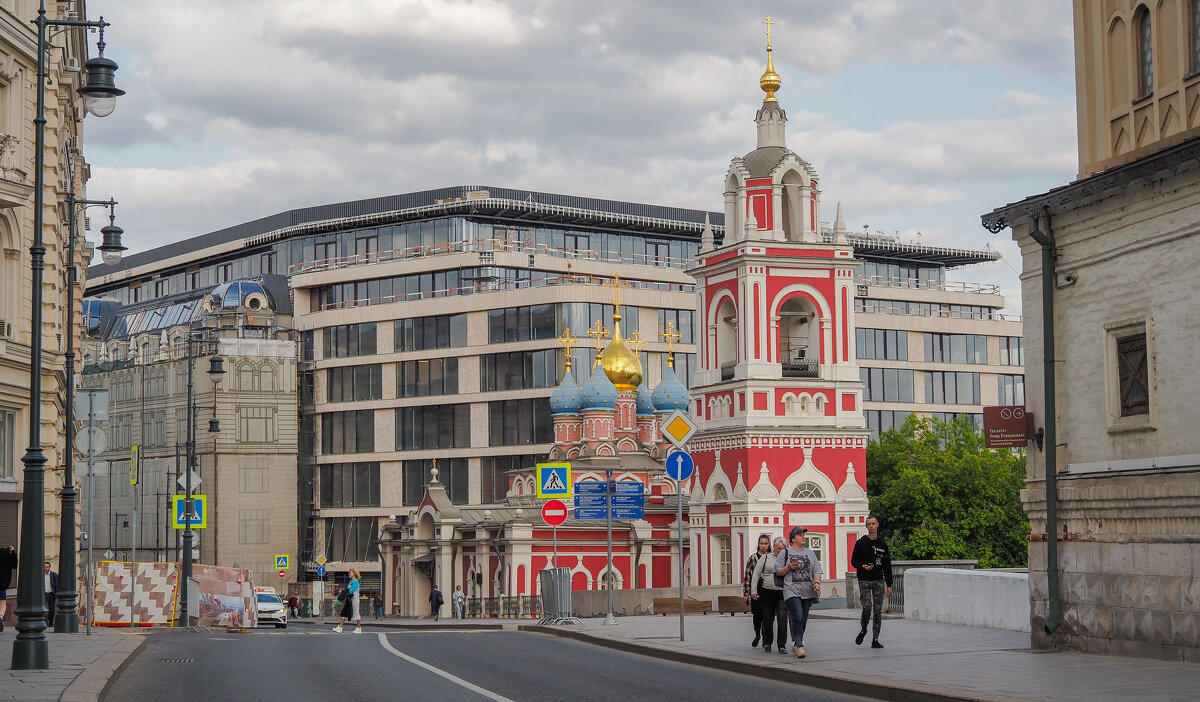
{"points": [[66, 622], [31, 651]]}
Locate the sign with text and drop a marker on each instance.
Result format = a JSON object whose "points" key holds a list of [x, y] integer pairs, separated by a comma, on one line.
{"points": [[1006, 426]]}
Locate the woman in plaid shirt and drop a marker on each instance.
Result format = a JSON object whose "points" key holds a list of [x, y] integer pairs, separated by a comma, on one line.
{"points": [[750, 587]]}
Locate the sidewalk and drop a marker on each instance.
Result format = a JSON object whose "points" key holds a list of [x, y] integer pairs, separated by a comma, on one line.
{"points": [[921, 661], [81, 666]]}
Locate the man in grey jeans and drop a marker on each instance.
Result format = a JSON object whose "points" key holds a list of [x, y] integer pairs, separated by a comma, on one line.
{"points": [[873, 562]]}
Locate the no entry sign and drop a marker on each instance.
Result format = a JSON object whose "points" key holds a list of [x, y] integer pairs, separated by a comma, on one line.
{"points": [[554, 512]]}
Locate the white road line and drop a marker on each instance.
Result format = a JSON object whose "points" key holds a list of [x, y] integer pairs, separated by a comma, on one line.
{"points": [[438, 671]]}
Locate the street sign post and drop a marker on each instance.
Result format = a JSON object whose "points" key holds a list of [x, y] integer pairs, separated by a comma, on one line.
{"points": [[554, 481], [554, 513], [679, 468]]}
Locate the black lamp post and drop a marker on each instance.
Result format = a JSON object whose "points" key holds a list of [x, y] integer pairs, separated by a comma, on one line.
{"points": [[30, 649], [66, 618], [216, 370]]}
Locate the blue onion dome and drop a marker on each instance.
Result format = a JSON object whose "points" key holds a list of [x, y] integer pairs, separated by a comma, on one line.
{"points": [[566, 397], [599, 393], [670, 394], [645, 405]]}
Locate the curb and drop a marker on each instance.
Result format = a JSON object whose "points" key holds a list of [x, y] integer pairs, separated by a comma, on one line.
{"points": [[846, 683], [93, 683]]}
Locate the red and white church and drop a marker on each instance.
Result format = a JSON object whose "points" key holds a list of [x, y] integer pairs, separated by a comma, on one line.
{"points": [[778, 399]]}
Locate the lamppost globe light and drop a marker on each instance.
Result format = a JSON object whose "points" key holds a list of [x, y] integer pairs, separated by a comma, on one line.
{"points": [[101, 92], [112, 249], [216, 368]]}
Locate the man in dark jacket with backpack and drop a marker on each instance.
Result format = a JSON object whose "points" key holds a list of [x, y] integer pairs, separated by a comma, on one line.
{"points": [[873, 562], [435, 603]]}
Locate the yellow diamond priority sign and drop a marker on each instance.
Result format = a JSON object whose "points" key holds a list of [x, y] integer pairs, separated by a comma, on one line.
{"points": [[321, 560], [678, 427]]}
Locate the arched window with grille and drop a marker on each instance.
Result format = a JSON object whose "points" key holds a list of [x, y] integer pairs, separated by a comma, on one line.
{"points": [[807, 491], [720, 494], [1145, 52]]}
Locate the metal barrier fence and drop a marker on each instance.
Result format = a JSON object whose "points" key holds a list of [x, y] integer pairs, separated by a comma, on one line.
{"points": [[555, 586], [517, 606]]}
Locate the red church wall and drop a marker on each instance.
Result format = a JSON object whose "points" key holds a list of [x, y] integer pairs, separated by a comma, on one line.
{"points": [[760, 401], [662, 571], [848, 402]]}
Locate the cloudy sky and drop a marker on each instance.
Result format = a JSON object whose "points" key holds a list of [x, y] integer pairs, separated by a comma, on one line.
{"points": [[920, 115]]}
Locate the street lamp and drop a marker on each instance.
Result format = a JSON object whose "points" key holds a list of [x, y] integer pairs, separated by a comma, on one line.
{"points": [[216, 370], [66, 618], [30, 649]]}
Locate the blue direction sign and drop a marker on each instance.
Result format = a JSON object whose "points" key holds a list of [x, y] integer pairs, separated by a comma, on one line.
{"points": [[680, 465], [628, 513], [630, 488], [617, 500], [589, 513], [321, 571], [590, 487], [591, 500]]}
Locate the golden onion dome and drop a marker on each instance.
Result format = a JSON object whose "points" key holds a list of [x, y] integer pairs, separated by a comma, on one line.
{"points": [[770, 80], [620, 364]]}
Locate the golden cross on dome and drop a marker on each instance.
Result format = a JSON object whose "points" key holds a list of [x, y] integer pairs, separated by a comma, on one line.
{"points": [[567, 341], [671, 336], [616, 284], [597, 332], [636, 342], [768, 21]]}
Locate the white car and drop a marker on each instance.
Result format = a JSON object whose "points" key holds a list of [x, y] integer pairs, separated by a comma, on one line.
{"points": [[271, 610]]}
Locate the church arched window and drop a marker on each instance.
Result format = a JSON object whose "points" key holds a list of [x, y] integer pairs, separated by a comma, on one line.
{"points": [[808, 491], [720, 494], [1145, 52]]}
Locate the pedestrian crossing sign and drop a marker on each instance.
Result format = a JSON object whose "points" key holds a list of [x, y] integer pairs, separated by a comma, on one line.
{"points": [[281, 562], [554, 480]]}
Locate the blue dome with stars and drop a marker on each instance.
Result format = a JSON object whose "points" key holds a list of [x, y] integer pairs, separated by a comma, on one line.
{"points": [[566, 398], [670, 394], [599, 393], [645, 404]]}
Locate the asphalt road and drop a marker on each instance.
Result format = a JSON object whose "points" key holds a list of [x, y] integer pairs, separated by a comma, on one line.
{"points": [[439, 666]]}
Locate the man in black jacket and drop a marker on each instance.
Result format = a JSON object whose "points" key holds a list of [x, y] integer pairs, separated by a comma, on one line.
{"points": [[50, 581], [8, 565], [873, 562]]}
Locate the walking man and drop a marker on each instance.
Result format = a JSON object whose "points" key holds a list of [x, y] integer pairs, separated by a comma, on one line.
{"points": [[873, 562], [51, 586], [435, 603]]}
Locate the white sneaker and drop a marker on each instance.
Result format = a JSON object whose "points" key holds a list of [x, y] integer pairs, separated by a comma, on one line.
{"points": [[337, 629], [358, 630]]}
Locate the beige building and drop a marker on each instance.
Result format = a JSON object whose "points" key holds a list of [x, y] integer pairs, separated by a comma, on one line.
{"points": [[246, 469], [1111, 329], [63, 162]]}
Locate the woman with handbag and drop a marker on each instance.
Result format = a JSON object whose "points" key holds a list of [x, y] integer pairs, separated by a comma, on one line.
{"points": [[349, 598], [801, 572], [770, 599]]}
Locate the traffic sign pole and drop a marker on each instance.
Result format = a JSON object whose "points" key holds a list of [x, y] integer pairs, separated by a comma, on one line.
{"points": [[679, 467], [609, 618], [679, 484]]}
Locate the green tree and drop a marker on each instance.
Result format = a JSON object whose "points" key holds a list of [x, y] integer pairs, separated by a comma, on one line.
{"points": [[941, 494]]}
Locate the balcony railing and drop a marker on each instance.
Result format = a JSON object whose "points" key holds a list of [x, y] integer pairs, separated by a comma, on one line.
{"points": [[887, 281], [801, 369], [727, 371]]}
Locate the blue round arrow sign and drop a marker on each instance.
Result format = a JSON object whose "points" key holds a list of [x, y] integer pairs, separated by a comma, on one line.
{"points": [[680, 465], [321, 571]]}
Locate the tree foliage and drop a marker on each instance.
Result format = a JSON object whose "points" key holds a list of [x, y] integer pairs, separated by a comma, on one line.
{"points": [[941, 494]]}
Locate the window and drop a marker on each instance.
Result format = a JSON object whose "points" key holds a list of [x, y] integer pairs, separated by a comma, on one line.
{"points": [[266, 263], [519, 370], [720, 494], [1195, 22], [436, 376], [1012, 389], [154, 428], [348, 432], [816, 542], [887, 384], [416, 477], [256, 424], [433, 427], [354, 383], [956, 348], [350, 484], [1133, 375], [224, 273], [1145, 54], [245, 376], [807, 491], [161, 288], [494, 475], [517, 422], [881, 344], [421, 333], [682, 319], [253, 475], [879, 421], [8, 446], [254, 526], [192, 280], [951, 388], [1012, 351], [350, 340], [352, 539], [521, 323]]}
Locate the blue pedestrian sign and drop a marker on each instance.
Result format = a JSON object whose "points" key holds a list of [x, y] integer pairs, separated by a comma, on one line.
{"points": [[554, 481], [680, 465], [321, 571], [199, 518], [281, 561]]}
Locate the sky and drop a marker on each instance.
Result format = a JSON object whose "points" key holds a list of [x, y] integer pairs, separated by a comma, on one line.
{"points": [[918, 115]]}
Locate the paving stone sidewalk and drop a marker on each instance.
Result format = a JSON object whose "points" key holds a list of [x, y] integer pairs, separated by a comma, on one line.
{"points": [[81, 666]]}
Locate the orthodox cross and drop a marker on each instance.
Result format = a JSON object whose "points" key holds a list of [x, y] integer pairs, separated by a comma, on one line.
{"points": [[597, 332], [636, 342], [567, 341], [768, 21], [671, 336], [616, 284]]}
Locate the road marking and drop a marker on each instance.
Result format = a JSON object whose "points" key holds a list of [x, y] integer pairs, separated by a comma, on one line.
{"points": [[438, 671]]}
